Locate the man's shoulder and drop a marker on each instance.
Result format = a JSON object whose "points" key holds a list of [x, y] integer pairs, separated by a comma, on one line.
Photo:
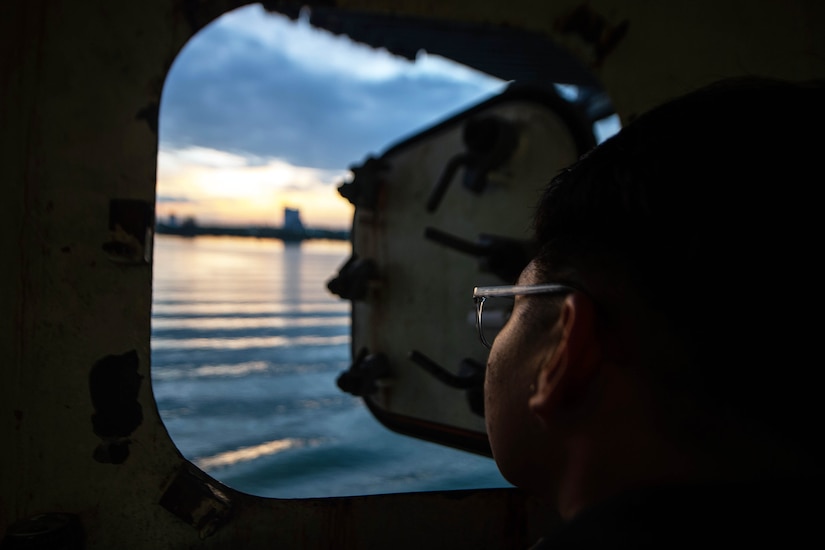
{"points": [[675, 516]]}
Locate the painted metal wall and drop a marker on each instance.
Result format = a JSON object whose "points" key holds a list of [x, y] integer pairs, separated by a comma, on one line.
{"points": [[79, 96]]}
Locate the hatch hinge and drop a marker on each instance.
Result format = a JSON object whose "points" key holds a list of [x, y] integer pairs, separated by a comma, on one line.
{"points": [[362, 190], [362, 377], [352, 281]]}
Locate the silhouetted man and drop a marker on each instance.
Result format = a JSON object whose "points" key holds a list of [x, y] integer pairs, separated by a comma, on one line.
{"points": [[658, 379]]}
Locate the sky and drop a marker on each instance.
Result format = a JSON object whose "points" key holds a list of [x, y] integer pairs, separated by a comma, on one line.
{"points": [[259, 113]]}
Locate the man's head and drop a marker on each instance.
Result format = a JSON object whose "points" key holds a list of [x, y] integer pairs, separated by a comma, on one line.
{"points": [[693, 238]]}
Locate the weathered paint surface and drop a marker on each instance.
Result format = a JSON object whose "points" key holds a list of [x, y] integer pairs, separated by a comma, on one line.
{"points": [[420, 301], [114, 384], [79, 91]]}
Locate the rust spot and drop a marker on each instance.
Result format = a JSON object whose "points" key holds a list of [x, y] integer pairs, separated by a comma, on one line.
{"points": [[121, 250], [50, 530], [196, 499], [594, 29], [150, 114], [114, 384], [130, 225]]}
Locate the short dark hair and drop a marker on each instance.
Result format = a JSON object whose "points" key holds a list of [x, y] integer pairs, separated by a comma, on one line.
{"points": [[709, 206]]}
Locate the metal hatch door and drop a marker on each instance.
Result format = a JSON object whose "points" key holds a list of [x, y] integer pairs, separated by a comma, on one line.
{"points": [[437, 214]]}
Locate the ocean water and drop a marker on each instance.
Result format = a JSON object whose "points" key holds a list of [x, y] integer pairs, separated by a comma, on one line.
{"points": [[246, 346]]}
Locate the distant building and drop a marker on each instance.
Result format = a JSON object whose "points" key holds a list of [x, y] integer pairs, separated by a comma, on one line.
{"points": [[292, 220]]}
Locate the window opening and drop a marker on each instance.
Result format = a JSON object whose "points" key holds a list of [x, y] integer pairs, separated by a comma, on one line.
{"points": [[259, 117]]}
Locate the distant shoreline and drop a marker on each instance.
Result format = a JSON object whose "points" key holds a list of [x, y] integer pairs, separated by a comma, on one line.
{"points": [[287, 235]]}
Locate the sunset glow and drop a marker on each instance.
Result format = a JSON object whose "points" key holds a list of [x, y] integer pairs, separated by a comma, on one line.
{"points": [[216, 187], [260, 113]]}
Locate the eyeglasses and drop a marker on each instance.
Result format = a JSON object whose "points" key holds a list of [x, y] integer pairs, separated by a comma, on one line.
{"points": [[499, 301]]}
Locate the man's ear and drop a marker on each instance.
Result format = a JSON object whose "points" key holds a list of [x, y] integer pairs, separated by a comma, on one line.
{"points": [[566, 374]]}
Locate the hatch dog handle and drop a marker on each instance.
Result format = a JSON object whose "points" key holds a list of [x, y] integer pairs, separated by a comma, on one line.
{"points": [[490, 141], [459, 382]]}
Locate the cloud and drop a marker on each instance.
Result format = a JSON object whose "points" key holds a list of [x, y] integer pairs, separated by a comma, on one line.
{"points": [[316, 50], [207, 170], [259, 86], [173, 200], [260, 113], [201, 156]]}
